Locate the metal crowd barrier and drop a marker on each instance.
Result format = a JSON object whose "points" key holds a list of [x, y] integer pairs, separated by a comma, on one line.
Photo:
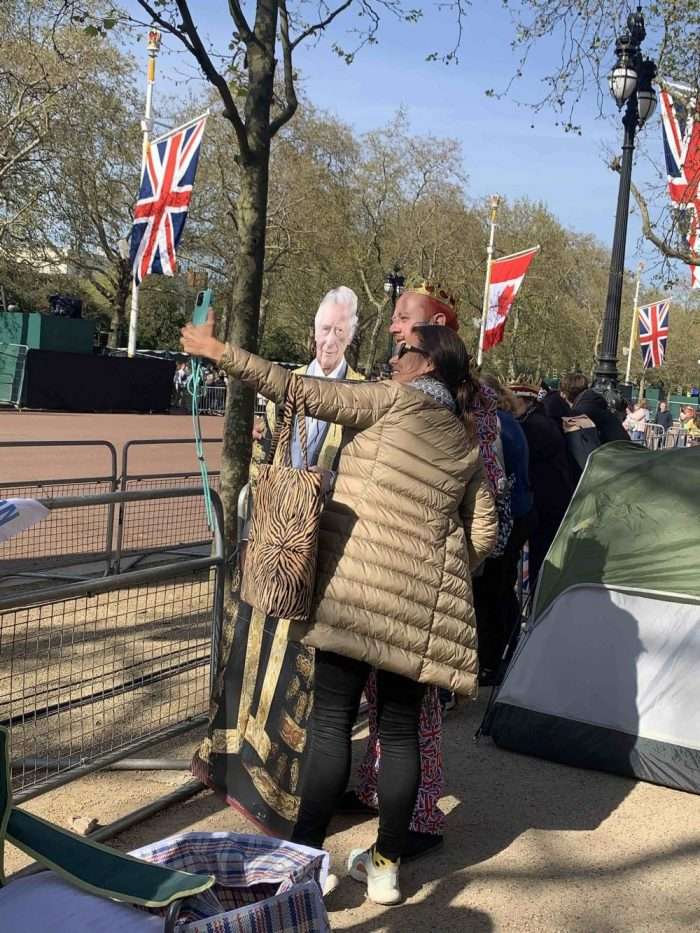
{"points": [[169, 530], [676, 437], [96, 670], [84, 543], [654, 436], [65, 537], [213, 401]]}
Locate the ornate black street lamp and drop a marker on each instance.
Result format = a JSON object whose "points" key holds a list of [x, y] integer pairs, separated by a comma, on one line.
{"points": [[393, 286], [630, 83]]}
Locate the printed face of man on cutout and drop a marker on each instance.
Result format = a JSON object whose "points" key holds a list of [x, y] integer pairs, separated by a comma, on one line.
{"points": [[332, 336]]}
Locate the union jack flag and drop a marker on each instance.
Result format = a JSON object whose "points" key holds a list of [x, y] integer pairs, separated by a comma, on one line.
{"points": [[164, 198], [681, 129], [653, 332]]}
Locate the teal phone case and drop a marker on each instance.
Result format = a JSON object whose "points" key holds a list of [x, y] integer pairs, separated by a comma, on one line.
{"points": [[201, 307]]}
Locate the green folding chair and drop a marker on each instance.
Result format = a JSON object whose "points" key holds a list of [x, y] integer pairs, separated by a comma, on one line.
{"points": [[88, 865]]}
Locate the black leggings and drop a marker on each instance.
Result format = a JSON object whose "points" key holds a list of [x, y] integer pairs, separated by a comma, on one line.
{"points": [[338, 686]]}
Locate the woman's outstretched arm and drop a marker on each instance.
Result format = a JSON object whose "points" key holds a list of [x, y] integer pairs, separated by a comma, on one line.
{"points": [[350, 404]]}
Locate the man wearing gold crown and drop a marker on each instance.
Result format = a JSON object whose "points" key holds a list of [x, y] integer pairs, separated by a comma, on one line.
{"points": [[426, 303]]}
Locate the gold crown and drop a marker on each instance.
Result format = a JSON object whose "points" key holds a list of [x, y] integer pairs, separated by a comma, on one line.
{"points": [[434, 290]]}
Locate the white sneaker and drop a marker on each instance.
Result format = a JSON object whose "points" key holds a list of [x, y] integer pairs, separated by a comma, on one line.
{"points": [[331, 883], [382, 882]]}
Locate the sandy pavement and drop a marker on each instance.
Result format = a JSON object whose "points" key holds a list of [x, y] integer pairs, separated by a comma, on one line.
{"points": [[530, 845]]}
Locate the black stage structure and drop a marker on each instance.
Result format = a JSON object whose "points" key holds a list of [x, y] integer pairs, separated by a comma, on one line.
{"points": [[60, 381]]}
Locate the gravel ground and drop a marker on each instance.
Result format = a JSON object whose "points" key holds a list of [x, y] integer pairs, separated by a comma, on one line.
{"points": [[530, 845]]}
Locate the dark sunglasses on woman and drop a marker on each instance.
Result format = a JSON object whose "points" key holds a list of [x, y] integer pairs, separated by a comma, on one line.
{"points": [[407, 348]]}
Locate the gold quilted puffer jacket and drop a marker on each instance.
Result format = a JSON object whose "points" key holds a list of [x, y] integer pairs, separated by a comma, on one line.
{"points": [[411, 513]]}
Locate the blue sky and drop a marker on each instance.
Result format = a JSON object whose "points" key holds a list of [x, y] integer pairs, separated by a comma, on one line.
{"points": [[507, 148]]}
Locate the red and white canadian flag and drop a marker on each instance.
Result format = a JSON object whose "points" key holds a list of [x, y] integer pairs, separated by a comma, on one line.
{"points": [[507, 276]]}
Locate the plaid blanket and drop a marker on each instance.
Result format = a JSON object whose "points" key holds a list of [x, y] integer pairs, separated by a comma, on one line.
{"points": [[263, 885], [299, 910]]}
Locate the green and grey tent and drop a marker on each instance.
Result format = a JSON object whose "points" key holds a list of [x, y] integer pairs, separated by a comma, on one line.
{"points": [[607, 674]]}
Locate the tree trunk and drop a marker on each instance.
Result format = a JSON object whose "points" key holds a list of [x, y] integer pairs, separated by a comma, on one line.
{"points": [[119, 302], [251, 216], [596, 347], [262, 318], [243, 330], [539, 375], [374, 338], [225, 313]]}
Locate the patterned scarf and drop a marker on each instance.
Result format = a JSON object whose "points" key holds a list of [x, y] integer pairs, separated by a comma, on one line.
{"points": [[435, 389]]}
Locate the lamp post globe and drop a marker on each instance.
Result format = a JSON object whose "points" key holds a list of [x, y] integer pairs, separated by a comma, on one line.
{"points": [[622, 80], [646, 95], [631, 86]]}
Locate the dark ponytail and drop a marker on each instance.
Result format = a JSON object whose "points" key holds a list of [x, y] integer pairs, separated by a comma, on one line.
{"points": [[451, 361]]}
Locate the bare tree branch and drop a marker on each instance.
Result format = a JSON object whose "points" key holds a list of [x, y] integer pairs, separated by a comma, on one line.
{"points": [[319, 27], [238, 17], [378, 305], [291, 102], [664, 247]]}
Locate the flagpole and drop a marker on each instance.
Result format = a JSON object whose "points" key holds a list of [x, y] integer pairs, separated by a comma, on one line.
{"points": [[183, 126], [495, 201], [635, 323], [154, 37]]}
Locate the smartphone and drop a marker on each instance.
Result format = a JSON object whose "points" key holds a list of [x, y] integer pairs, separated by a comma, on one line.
{"points": [[201, 307]]}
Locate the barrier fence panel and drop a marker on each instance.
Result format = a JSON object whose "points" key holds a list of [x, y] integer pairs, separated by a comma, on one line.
{"points": [[213, 401], [13, 361], [146, 528], [654, 436], [95, 670], [676, 437], [67, 536]]}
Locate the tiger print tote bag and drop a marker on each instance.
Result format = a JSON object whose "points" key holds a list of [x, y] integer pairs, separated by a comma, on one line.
{"points": [[280, 565]]}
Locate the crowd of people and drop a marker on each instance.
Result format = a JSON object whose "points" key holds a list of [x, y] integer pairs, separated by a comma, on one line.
{"points": [[684, 432], [213, 379], [439, 476]]}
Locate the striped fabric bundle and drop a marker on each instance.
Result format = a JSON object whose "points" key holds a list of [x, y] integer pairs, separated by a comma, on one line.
{"points": [[263, 885]]}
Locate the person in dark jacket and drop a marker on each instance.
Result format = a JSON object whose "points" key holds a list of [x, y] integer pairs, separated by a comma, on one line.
{"points": [[495, 600], [586, 401], [550, 472], [664, 416], [555, 405]]}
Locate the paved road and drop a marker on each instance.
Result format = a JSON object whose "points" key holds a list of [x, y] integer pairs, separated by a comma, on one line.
{"points": [[27, 463]]}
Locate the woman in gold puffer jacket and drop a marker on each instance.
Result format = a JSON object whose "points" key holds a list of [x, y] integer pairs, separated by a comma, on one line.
{"points": [[410, 517]]}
